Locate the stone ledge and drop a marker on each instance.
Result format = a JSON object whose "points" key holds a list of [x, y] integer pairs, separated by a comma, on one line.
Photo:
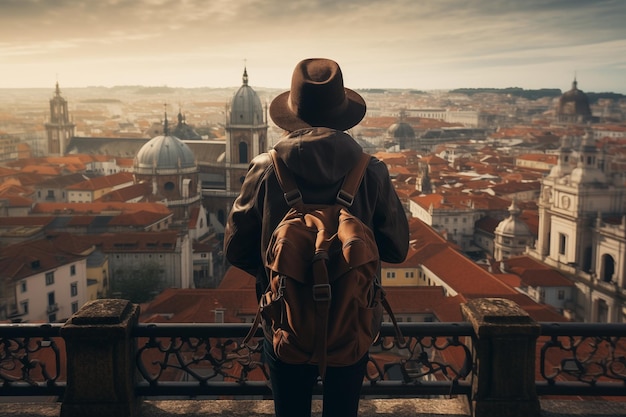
{"points": [[368, 408], [455, 407]]}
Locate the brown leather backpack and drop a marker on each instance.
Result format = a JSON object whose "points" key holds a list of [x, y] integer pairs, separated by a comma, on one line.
{"points": [[324, 303]]}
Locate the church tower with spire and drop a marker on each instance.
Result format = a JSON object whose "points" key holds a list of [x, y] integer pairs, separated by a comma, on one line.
{"points": [[246, 133], [59, 129]]}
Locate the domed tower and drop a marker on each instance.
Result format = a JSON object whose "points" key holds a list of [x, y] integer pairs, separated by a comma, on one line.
{"points": [[512, 235], [246, 133], [564, 164], [59, 130], [184, 131], [401, 134], [588, 171], [574, 106], [169, 165]]}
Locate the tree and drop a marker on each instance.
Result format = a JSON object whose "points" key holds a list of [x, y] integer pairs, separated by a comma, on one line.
{"points": [[138, 285]]}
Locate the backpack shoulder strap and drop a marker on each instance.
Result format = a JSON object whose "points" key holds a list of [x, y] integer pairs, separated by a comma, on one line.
{"points": [[352, 181], [345, 196], [286, 180]]}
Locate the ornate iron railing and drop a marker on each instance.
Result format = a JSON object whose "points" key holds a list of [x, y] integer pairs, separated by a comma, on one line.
{"points": [[582, 359], [209, 359], [31, 359]]}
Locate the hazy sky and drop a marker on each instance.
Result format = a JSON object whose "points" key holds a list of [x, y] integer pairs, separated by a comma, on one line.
{"points": [[420, 44]]}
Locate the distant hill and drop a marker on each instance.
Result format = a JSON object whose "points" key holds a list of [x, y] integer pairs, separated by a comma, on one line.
{"points": [[534, 94]]}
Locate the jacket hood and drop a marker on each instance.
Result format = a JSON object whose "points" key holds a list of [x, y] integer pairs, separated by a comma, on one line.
{"points": [[319, 156]]}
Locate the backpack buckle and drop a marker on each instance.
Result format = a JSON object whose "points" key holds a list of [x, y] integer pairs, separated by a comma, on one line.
{"points": [[282, 284], [293, 197], [345, 198], [322, 292]]}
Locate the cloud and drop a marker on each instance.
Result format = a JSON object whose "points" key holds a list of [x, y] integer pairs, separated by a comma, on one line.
{"points": [[396, 38]]}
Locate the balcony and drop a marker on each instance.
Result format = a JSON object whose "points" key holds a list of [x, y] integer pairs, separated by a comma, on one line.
{"points": [[497, 363], [52, 308]]}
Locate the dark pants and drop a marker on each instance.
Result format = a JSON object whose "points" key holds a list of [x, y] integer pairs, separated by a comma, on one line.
{"points": [[292, 387]]}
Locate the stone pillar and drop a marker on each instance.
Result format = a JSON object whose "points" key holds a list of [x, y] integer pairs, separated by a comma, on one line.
{"points": [[100, 360], [506, 337]]}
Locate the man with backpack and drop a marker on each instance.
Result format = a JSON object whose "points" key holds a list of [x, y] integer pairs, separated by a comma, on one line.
{"points": [[311, 177]]}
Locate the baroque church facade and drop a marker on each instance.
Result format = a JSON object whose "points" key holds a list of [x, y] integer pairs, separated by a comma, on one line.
{"points": [[582, 228]]}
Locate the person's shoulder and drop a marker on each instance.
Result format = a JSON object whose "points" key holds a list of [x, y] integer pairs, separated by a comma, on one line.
{"points": [[377, 166], [261, 159]]}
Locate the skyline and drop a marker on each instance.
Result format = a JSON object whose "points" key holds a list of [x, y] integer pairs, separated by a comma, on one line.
{"points": [[404, 44]]}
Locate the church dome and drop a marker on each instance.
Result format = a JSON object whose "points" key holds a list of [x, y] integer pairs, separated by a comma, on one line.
{"points": [[401, 130], [245, 107], [574, 103], [513, 226], [164, 153]]}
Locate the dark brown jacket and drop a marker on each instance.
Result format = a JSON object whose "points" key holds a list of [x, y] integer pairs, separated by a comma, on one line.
{"points": [[319, 158]]}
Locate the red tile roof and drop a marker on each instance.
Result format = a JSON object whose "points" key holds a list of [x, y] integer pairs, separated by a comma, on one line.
{"points": [[24, 259], [99, 208], [103, 182], [199, 305]]}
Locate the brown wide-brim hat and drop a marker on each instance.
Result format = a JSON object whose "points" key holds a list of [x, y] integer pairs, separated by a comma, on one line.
{"points": [[317, 99]]}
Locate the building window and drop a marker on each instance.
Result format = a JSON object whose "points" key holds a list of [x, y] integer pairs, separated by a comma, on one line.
{"points": [[73, 270], [24, 307], [23, 286], [408, 274], [49, 278], [74, 289], [562, 243], [561, 294], [243, 153], [74, 307], [219, 316], [391, 274]]}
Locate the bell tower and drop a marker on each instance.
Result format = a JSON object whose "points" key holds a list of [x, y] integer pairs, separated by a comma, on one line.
{"points": [[59, 129], [246, 133]]}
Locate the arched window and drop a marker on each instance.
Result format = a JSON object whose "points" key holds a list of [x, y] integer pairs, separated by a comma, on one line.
{"points": [[608, 268], [243, 153]]}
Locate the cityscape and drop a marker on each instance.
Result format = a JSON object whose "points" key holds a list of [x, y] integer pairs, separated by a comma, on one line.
{"points": [[123, 192], [127, 129]]}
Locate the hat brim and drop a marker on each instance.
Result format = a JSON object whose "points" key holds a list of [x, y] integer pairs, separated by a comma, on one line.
{"points": [[286, 119]]}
